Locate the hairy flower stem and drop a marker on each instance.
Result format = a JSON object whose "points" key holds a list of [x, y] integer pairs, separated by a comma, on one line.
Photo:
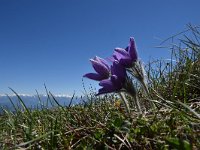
{"points": [[130, 89], [135, 97], [125, 102], [147, 93], [138, 73]]}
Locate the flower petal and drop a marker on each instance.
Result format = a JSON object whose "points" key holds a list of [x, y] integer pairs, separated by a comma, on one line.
{"points": [[104, 91], [117, 56], [103, 61], [123, 56], [107, 85], [132, 49], [94, 76], [117, 82], [118, 70], [122, 51], [126, 62], [100, 68]]}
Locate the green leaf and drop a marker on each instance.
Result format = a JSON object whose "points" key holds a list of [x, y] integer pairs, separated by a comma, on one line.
{"points": [[179, 144], [118, 122]]}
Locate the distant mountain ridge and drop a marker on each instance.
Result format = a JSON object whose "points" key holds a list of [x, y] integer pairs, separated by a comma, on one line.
{"points": [[37, 101]]}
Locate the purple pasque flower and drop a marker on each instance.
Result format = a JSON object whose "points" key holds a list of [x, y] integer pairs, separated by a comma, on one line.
{"points": [[101, 67], [126, 56], [116, 80]]}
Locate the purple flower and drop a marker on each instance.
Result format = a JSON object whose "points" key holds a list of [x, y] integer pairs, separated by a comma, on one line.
{"points": [[116, 81], [101, 67], [126, 56]]}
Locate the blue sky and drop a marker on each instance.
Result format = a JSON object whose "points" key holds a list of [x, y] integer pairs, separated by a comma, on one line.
{"points": [[51, 41]]}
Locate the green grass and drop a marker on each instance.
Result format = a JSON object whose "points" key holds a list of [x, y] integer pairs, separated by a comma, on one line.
{"points": [[103, 123]]}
